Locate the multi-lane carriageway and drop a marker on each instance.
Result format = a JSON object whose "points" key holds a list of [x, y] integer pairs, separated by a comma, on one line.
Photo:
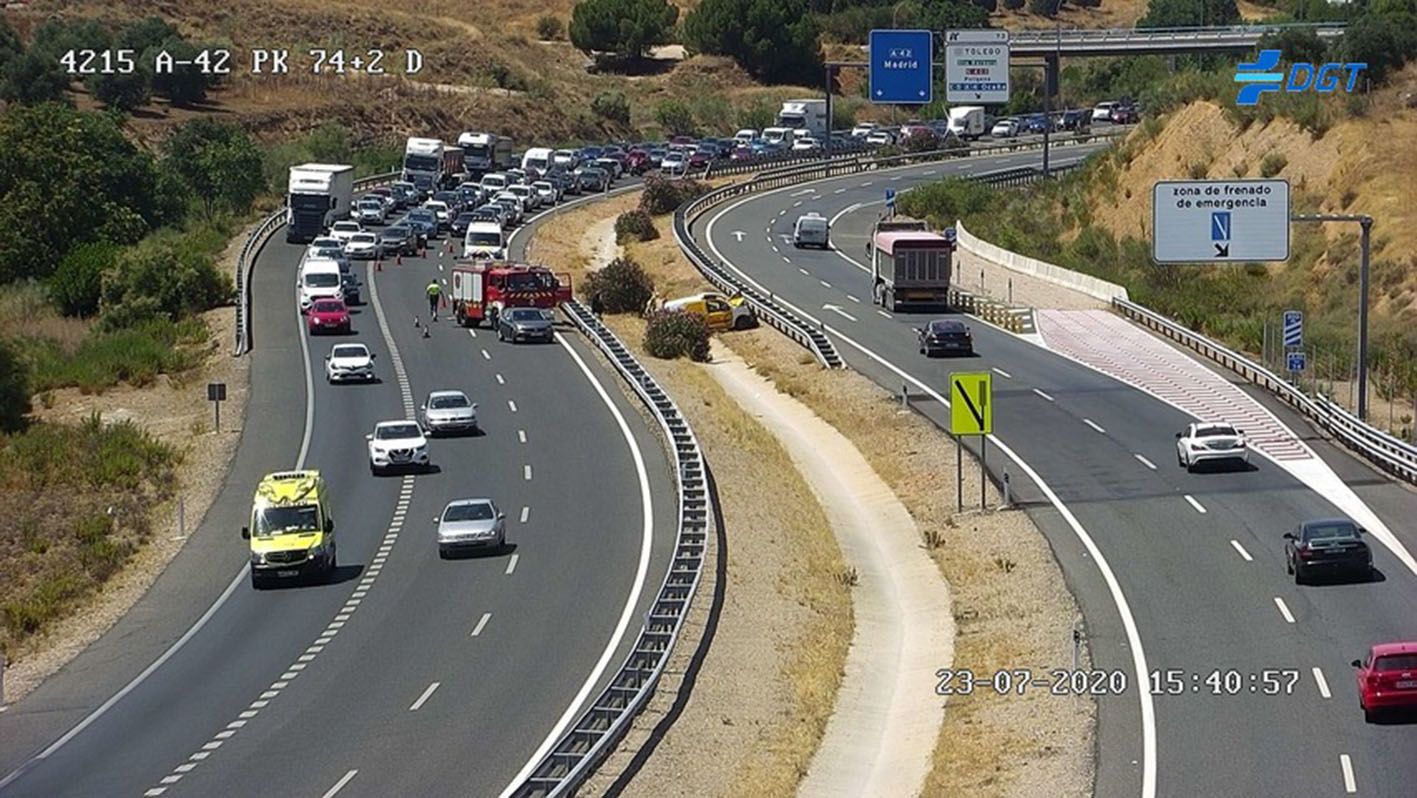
{"points": [[1195, 558], [409, 675]]}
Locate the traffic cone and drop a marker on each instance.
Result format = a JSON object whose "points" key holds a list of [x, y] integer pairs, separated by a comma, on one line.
{"points": [[378, 265], [398, 258]]}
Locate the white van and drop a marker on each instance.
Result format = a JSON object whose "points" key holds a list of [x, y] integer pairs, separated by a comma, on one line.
{"points": [[319, 279], [745, 136], [811, 229], [484, 240], [495, 182], [538, 158], [783, 136]]}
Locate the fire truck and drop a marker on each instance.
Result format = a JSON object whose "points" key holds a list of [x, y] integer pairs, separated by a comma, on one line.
{"points": [[480, 290]]}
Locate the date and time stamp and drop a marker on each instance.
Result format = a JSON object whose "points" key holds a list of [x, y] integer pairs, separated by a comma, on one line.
{"points": [[1099, 682], [255, 61]]}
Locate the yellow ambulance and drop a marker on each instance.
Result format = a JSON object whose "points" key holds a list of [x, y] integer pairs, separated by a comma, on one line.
{"points": [[292, 533]]}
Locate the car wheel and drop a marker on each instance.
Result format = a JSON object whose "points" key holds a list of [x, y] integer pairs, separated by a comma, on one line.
{"points": [[257, 581], [373, 469], [333, 564], [442, 552], [1299, 576], [1370, 715], [1288, 565]]}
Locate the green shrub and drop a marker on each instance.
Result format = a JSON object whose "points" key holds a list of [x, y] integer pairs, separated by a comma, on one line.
{"points": [[1272, 164], [135, 355], [75, 287], [635, 225], [757, 115], [549, 27], [922, 141], [944, 202], [1044, 8], [672, 334], [14, 389], [624, 28], [661, 195], [162, 277], [623, 286], [611, 105], [674, 117]]}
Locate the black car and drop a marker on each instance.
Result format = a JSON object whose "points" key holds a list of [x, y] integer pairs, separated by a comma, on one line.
{"points": [[945, 336], [452, 199], [462, 220], [594, 179], [350, 287], [398, 238], [1327, 546], [1079, 121]]}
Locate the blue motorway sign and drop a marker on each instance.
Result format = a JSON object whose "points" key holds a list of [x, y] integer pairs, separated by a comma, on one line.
{"points": [[1295, 361], [902, 66], [890, 198], [1293, 328]]}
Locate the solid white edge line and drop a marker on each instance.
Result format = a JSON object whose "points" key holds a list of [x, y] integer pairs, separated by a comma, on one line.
{"points": [[1321, 682], [1284, 609], [424, 697], [1241, 550], [1197, 505], [1344, 762], [339, 785], [628, 613], [1145, 462], [215, 606]]}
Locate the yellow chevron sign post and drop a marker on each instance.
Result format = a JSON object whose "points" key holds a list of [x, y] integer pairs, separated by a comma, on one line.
{"points": [[971, 413]]}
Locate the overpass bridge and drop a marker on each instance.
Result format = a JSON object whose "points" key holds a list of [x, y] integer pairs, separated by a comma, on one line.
{"points": [[1076, 42]]}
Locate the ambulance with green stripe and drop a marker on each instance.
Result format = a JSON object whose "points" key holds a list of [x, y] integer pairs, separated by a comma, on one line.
{"points": [[292, 533]]}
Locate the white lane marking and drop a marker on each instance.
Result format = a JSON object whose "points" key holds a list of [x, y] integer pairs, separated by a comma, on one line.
{"points": [[781, 212], [154, 792], [424, 697], [785, 259], [473, 333], [895, 178], [797, 203], [526, 511], [1195, 503], [526, 471], [512, 563], [804, 271], [838, 311], [1284, 609], [485, 355], [1044, 395], [928, 172], [839, 191], [852, 298], [1321, 682], [631, 600], [512, 404], [825, 284], [521, 436], [1145, 462], [1349, 785], [481, 624], [500, 381], [339, 785], [800, 193], [1002, 373], [885, 314], [865, 184], [1241, 551], [775, 249], [1094, 425]]}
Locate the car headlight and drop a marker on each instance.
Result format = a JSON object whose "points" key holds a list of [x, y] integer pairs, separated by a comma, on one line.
{"points": [[258, 558]]}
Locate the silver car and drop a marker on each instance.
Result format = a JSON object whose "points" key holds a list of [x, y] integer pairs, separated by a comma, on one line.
{"points": [[448, 411], [470, 524], [525, 324]]}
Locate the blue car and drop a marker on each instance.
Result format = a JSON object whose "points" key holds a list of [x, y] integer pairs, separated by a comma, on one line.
{"points": [[1038, 123], [423, 221]]}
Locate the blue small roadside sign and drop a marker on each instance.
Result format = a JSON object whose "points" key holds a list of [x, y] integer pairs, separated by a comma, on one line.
{"points": [[1295, 361], [890, 198], [1293, 328], [902, 67]]}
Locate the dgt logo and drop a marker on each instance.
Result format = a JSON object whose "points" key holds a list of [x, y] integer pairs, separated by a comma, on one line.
{"points": [[1256, 78]]}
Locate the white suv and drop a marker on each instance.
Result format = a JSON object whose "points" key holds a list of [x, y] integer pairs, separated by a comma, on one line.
{"points": [[349, 362], [397, 444]]}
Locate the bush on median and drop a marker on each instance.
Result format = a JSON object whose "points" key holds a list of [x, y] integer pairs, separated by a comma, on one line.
{"points": [[634, 225], [623, 286], [672, 334]]}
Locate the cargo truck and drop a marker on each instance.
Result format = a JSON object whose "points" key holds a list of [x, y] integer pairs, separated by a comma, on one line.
{"points": [[423, 164], [967, 121], [485, 152], [319, 195], [809, 115], [910, 266]]}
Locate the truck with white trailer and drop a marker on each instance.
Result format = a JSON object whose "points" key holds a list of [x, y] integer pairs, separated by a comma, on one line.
{"points": [[967, 121], [808, 114], [423, 164], [485, 152], [910, 266], [319, 194]]}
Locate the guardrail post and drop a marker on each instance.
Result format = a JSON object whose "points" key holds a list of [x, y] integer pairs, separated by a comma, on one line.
{"points": [[904, 396], [1007, 500]]}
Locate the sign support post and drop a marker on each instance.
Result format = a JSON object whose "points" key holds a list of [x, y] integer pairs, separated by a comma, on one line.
{"points": [[959, 473], [1365, 252], [216, 393], [971, 413]]}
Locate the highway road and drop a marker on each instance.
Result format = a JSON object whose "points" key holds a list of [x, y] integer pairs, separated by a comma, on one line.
{"points": [[409, 675], [1196, 558]]}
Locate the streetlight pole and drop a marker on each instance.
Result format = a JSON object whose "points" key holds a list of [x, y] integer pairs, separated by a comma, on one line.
{"points": [[1365, 251]]}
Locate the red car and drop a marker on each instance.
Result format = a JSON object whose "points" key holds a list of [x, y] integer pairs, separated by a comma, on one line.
{"points": [[1387, 678], [328, 315], [699, 159], [638, 161]]}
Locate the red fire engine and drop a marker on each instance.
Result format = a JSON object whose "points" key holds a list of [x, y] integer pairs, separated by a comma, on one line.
{"points": [[480, 290]]}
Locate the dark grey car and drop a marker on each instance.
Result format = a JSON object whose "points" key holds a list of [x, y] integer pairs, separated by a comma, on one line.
{"points": [[1327, 546], [525, 324], [398, 238]]}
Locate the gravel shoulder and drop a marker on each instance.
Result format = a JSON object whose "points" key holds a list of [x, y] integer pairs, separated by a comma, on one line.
{"points": [[175, 410]]}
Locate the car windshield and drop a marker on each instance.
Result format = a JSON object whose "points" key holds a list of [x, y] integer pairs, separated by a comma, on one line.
{"points": [[526, 314], [1334, 530], [325, 243], [371, 205], [1214, 429], [448, 400], [363, 238], [328, 306], [1396, 662], [279, 520], [395, 431], [946, 327], [472, 511], [484, 239], [349, 350], [424, 215], [322, 279], [396, 231], [347, 227]]}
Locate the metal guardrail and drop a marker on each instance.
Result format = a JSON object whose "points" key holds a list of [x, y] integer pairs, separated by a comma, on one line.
{"points": [[246, 260], [1391, 454], [595, 733], [766, 306], [1066, 35]]}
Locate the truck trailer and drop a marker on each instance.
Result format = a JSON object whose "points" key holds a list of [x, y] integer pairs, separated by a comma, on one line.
{"points": [[967, 121], [319, 195], [423, 164], [485, 152], [808, 114], [910, 266]]}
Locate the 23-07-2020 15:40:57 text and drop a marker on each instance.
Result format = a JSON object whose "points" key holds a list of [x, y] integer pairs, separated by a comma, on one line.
{"points": [[1099, 682]]}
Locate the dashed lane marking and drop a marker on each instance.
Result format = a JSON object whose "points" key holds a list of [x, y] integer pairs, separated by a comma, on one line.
{"points": [[512, 404], [500, 381], [486, 355], [825, 284], [526, 471], [521, 436], [526, 511], [1243, 554], [1002, 373], [1145, 462], [1321, 682], [852, 298], [1044, 395], [512, 563], [1094, 425], [339, 785], [481, 624], [1284, 609], [885, 314], [424, 697], [1192, 500], [1346, 764]]}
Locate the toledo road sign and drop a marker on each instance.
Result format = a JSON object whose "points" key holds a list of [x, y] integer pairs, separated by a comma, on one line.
{"points": [[977, 66], [1202, 221], [971, 404], [901, 66]]}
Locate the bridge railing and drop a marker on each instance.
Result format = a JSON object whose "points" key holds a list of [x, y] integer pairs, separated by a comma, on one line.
{"points": [[246, 260], [594, 734], [1391, 454], [1112, 34]]}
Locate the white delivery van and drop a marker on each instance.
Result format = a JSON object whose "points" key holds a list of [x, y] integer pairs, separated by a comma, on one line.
{"points": [[319, 278], [811, 230], [538, 158], [967, 121], [484, 240]]}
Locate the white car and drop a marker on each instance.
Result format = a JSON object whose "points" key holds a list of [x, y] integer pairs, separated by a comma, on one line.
{"points": [[879, 138], [349, 362], [519, 204], [1211, 442], [806, 144], [1102, 112], [546, 190], [362, 246], [674, 163], [440, 210], [862, 130], [531, 200], [395, 445], [325, 242], [341, 231], [1004, 129]]}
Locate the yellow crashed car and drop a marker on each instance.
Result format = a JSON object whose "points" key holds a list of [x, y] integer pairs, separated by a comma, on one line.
{"points": [[292, 533], [720, 312]]}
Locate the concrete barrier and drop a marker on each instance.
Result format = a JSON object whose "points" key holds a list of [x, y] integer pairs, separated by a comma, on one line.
{"points": [[1057, 275]]}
